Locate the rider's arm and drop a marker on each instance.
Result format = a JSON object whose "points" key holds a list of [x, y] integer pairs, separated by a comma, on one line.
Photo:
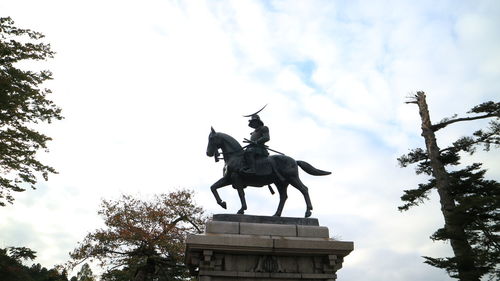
{"points": [[265, 136]]}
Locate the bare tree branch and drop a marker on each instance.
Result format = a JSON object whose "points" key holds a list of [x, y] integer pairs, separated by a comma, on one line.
{"points": [[439, 126]]}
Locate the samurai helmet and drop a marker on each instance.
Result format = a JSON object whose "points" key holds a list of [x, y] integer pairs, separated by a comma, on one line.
{"points": [[255, 118]]}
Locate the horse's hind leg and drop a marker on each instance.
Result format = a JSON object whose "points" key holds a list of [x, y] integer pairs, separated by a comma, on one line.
{"points": [[220, 183], [282, 190], [297, 183]]}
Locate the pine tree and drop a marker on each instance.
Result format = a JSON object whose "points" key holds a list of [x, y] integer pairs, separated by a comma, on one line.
{"points": [[13, 269], [470, 204], [85, 273]]}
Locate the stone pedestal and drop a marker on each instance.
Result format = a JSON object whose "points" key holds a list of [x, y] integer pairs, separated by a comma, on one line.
{"points": [[242, 247]]}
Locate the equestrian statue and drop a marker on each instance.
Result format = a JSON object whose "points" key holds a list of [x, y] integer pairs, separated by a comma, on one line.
{"points": [[251, 165]]}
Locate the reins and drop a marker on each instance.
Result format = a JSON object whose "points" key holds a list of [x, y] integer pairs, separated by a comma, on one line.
{"points": [[217, 153]]}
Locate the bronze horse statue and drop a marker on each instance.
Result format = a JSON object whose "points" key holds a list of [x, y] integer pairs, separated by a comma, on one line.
{"points": [[279, 170]]}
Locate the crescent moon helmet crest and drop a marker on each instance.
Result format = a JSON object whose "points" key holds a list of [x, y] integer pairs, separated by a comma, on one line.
{"points": [[250, 115]]}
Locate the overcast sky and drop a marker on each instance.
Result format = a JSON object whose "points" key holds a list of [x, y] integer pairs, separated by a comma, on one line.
{"points": [[141, 82]]}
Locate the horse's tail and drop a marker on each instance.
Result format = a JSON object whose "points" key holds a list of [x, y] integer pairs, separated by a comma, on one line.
{"points": [[308, 168]]}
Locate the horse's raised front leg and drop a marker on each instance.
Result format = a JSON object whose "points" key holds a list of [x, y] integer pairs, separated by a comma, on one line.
{"points": [[282, 190], [241, 193], [220, 183]]}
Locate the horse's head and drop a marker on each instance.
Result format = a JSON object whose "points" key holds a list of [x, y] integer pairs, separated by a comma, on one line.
{"points": [[229, 146], [214, 142]]}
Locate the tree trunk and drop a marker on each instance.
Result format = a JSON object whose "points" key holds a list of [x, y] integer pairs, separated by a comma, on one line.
{"points": [[458, 240], [143, 272], [140, 275]]}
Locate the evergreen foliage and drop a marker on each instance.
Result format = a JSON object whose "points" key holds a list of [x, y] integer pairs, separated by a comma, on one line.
{"points": [[12, 268], [23, 104], [476, 200], [85, 273]]}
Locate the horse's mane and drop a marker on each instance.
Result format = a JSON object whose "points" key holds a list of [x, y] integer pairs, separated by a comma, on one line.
{"points": [[230, 140]]}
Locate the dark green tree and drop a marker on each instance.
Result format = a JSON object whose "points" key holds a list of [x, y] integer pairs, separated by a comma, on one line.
{"points": [[85, 273], [470, 204], [123, 274], [11, 266], [23, 104], [13, 269], [143, 239]]}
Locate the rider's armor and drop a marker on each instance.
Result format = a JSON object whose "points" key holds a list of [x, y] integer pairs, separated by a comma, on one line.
{"points": [[256, 148], [260, 136]]}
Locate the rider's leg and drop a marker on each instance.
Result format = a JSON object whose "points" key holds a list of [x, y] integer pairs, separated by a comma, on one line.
{"points": [[250, 162]]}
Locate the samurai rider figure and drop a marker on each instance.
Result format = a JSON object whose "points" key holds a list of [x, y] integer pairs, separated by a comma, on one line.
{"points": [[256, 147]]}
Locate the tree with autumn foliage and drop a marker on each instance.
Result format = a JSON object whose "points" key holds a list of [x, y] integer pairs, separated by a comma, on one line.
{"points": [[23, 104], [470, 204], [143, 239]]}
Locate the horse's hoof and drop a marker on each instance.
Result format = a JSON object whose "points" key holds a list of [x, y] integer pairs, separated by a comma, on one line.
{"points": [[277, 215], [308, 213], [222, 204], [240, 212]]}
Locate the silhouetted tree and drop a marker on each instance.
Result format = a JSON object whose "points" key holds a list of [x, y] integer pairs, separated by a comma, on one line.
{"points": [[85, 273], [470, 204], [143, 240], [12, 268], [23, 104]]}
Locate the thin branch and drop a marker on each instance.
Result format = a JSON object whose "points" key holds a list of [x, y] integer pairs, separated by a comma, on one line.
{"points": [[412, 99], [121, 253], [451, 148], [181, 218], [195, 225], [72, 265], [170, 226], [116, 266], [478, 140], [446, 123], [488, 235]]}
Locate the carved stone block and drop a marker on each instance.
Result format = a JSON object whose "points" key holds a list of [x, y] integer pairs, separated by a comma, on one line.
{"points": [[268, 229], [266, 249]]}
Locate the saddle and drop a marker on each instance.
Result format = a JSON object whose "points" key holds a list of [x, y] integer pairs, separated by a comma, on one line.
{"points": [[263, 166]]}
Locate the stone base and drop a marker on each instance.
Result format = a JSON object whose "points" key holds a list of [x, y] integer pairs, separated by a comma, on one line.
{"points": [[240, 247]]}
